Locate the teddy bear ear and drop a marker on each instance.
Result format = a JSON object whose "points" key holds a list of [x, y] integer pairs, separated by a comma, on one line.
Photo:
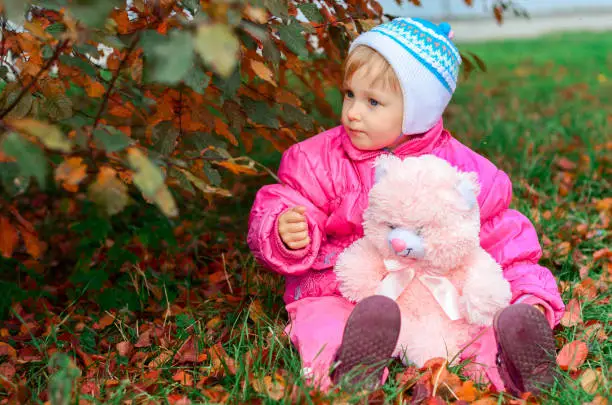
{"points": [[469, 188]]}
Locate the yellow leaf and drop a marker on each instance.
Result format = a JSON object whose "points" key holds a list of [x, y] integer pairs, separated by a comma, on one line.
{"points": [[8, 237], [109, 192], [71, 172], [601, 78], [263, 71], [218, 47], [272, 387], [149, 179], [202, 185], [591, 380], [37, 30], [48, 134]]}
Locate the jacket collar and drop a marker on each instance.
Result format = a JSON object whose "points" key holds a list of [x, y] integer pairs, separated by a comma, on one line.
{"points": [[417, 145]]}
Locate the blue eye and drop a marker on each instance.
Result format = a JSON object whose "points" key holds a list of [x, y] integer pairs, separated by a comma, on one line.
{"points": [[373, 102], [349, 94]]}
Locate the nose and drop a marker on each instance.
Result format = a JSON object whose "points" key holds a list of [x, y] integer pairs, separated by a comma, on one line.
{"points": [[398, 245], [353, 113]]}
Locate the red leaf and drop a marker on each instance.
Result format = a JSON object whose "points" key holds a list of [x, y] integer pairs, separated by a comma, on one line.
{"points": [[124, 348], [572, 355], [144, 340]]}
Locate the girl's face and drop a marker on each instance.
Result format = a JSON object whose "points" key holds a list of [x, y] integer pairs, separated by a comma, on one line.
{"points": [[371, 114]]}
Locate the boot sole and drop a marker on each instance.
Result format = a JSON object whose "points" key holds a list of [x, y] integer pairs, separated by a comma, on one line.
{"points": [[526, 347], [369, 339]]}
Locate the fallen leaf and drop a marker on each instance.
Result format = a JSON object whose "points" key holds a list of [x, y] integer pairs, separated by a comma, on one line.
{"points": [[124, 348], [601, 254], [573, 314], [105, 321], [189, 353], [256, 312], [565, 164], [7, 370], [598, 400], [220, 360], [8, 237], [604, 204], [572, 355], [160, 360], [273, 387], [183, 378], [34, 246], [591, 380], [467, 392], [144, 340]]}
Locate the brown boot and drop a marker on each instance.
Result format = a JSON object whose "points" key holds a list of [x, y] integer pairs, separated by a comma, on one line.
{"points": [[369, 339], [525, 349]]}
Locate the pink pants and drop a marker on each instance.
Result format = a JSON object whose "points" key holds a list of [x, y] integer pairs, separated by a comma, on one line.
{"points": [[316, 326]]}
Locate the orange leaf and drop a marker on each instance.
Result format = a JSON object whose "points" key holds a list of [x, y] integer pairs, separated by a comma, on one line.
{"points": [[572, 355], [222, 129], [467, 392], [598, 400], [8, 237], [7, 350], [94, 88], [602, 253], [105, 321], [572, 315], [71, 172], [183, 378], [263, 71], [34, 246], [237, 169], [604, 204]]}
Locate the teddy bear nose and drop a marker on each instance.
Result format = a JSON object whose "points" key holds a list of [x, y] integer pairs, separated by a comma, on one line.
{"points": [[398, 245]]}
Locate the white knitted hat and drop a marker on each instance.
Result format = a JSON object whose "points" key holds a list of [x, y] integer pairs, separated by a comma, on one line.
{"points": [[426, 63]]}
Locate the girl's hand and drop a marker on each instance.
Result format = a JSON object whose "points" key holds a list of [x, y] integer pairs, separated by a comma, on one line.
{"points": [[293, 228]]}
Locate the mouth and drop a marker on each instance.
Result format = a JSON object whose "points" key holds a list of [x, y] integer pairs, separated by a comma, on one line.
{"points": [[355, 132], [405, 253]]}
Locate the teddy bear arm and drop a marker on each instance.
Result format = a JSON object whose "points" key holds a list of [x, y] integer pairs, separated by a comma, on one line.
{"points": [[485, 290], [359, 269]]}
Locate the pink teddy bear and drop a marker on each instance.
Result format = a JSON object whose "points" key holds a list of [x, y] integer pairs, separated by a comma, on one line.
{"points": [[421, 247]]}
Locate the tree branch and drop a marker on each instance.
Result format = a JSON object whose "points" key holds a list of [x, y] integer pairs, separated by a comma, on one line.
{"points": [[46, 67], [114, 80]]}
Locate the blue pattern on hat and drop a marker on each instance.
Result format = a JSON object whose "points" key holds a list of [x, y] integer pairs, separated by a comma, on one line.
{"points": [[429, 44]]}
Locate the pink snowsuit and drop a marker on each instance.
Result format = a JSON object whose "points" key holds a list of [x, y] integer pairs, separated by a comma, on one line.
{"points": [[332, 178]]}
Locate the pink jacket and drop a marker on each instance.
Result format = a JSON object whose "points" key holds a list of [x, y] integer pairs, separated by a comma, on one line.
{"points": [[332, 178]]}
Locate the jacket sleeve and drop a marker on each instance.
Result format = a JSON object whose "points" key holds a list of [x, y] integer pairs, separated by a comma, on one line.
{"points": [[511, 239], [299, 185]]}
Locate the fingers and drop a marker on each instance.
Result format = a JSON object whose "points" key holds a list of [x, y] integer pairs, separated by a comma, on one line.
{"points": [[293, 228], [300, 244], [295, 215]]}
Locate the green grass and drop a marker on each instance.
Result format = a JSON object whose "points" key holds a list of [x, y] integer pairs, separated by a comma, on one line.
{"points": [[540, 100]]}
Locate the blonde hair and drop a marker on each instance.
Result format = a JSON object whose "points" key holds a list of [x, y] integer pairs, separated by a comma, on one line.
{"points": [[375, 64]]}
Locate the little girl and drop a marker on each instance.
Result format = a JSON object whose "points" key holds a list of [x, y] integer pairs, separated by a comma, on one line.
{"points": [[398, 79]]}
